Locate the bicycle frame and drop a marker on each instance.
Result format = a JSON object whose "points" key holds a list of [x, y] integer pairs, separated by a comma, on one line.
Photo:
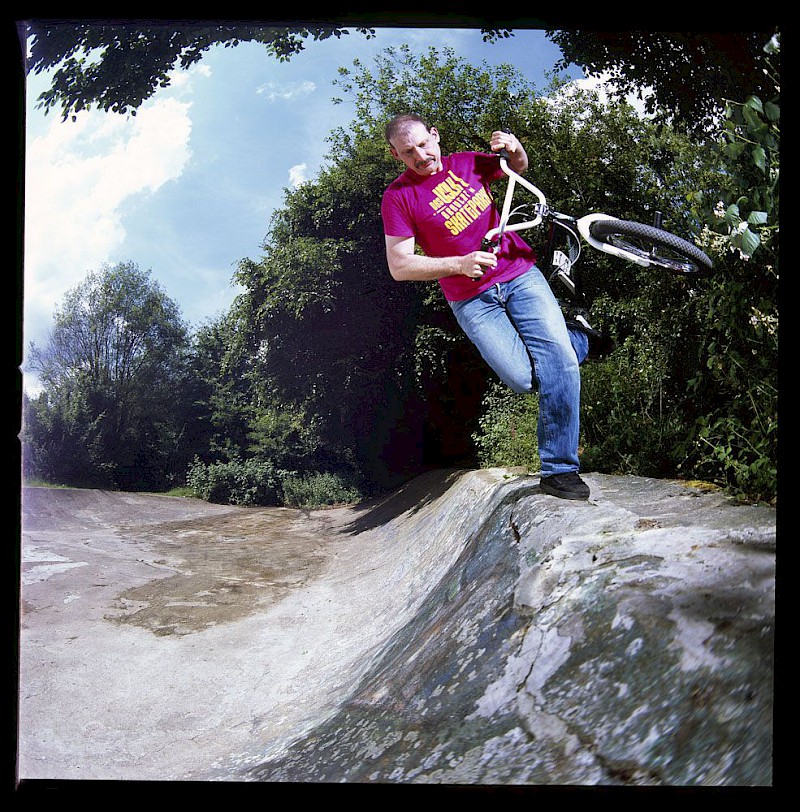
{"points": [[543, 211]]}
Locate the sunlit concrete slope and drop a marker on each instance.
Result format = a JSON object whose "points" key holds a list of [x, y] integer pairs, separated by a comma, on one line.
{"points": [[467, 629]]}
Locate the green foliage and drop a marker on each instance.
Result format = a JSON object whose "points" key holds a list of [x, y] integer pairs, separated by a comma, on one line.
{"points": [[246, 483], [59, 440], [692, 389], [688, 73], [322, 327], [328, 380], [119, 65], [117, 403], [591, 155], [734, 438], [359, 371], [632, 410], [258, 483], [506, 436], [746, 211], [405, 389], [220, 369], [318, 490]]}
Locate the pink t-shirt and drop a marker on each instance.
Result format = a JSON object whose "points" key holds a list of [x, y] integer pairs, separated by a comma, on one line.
{"points": [[449, 213]]}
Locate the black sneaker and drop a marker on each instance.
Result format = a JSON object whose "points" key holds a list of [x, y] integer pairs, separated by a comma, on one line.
{"points": [[599, 345], [565, 486]]}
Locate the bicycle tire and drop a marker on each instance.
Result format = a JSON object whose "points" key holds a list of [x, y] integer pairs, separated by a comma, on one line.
{"points": [[659, 247]]}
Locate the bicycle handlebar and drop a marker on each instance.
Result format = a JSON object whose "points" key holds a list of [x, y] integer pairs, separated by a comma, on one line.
{"points": [[503, 152], [513, 179]]}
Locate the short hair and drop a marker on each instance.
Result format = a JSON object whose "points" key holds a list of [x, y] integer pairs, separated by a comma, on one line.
{"points": [[400, 123]]}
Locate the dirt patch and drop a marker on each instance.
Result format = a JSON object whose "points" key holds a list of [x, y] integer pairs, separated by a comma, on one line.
{"points": [[176, 566], [198, 565], [225, 567]]}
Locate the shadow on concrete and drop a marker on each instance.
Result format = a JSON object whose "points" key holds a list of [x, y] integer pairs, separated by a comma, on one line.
{"points": [[410, 498]]}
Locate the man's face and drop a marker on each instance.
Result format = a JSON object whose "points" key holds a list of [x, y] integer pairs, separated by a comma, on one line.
{"points": [[418, 149]]}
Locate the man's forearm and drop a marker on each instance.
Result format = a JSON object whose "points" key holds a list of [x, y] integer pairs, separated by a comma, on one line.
{"points": [[413, 267], [420, 268], [518, 160]]}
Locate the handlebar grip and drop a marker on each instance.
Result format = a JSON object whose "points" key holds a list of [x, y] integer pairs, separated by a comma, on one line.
{"points": [[504, 153]]}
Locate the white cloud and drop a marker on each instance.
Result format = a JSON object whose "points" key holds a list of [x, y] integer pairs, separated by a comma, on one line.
{"points": [[78, 176], [601, 85], [286, 91], [298, 175], [180, 79]]}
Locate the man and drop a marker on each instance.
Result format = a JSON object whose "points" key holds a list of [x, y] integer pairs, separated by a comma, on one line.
{"points": [[501, 300]]}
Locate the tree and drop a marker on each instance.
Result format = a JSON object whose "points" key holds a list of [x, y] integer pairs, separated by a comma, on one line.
{"points": [[380, 369], [118, 64], [688, 75], [747, 210], [692, 389], [342, 369], [113, 410], [329, 347], [736, 434]]}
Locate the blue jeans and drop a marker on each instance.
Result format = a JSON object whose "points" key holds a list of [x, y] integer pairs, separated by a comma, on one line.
{"points": [[519, 329]]}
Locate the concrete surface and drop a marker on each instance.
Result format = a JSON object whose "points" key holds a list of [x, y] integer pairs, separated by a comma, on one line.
{"points": [[161, 634], [169, 639]]}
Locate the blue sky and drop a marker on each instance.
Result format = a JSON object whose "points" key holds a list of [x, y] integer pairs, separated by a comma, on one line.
{"points": [[186, 187]]}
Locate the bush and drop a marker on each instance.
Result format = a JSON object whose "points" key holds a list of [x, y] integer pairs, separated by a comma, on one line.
{"points": [[734, 436], [318, 489], [238, 482], [507, 434], [249, 483], [632, 411]]}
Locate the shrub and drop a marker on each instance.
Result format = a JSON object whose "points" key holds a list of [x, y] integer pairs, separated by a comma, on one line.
{"points": [[238, 482], [317, 489], [506, 437], [631, 414]]}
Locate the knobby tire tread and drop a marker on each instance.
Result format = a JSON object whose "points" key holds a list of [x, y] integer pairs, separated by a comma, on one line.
{"points": [[605, 229]]}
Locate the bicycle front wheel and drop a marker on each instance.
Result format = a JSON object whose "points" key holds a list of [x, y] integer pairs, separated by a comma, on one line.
{"points": [[657, 246]]}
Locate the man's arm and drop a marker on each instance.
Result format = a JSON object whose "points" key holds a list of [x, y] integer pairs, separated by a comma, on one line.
{"points": [[517, 157], [407, 266]]}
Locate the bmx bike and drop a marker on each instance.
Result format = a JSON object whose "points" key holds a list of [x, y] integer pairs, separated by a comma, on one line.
{"points": [[644, 245]]}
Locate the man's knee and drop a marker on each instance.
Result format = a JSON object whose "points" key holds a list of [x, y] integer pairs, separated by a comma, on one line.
{"points": [[521, 386]]}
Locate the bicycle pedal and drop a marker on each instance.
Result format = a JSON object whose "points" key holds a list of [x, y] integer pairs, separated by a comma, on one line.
{"points": [[567, 281]]}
